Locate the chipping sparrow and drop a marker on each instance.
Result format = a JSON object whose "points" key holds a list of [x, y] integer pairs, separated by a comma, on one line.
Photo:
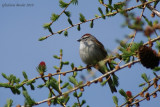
{"points": [[91, 52]]}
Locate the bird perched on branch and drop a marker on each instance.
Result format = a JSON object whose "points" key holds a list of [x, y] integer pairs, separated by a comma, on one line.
{"points": [[92, 52]]}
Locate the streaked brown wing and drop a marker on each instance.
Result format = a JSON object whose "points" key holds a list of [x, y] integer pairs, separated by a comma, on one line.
{"points": [[101, 46]]}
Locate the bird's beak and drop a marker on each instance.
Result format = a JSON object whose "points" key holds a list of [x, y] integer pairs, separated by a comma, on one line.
{"points": [[79, 40]]}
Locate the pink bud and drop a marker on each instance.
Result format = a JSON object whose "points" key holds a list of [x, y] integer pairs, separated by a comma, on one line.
{"points": [[42, 63], [129, 94]]}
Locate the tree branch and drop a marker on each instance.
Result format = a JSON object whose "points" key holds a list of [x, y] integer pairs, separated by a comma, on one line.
{"points": [[110, 14], [88, 83], [95, 80], [63, 10], [153, 10], [145, 97], [138, 95]]}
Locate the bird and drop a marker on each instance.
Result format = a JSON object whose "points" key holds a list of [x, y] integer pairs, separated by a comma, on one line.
{"points": [[91, 52]]}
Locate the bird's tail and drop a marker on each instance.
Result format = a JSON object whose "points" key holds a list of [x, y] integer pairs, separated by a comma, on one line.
{"points": [[115, 78], [110, 82], [101, 66]]}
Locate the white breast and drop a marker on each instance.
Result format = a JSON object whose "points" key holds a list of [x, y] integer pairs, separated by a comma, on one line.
{"points": [[90, 53]]}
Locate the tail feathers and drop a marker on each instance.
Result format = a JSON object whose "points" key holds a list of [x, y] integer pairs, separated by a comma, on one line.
{"points": [[103, 69], [113, 82], [110, 82], [111, 85]]}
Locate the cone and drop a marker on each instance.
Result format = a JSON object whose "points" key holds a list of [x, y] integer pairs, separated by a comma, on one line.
{"points": [[148, 57]]}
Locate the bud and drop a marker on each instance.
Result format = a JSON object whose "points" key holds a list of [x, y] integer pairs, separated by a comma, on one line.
{"points": [[117, 67], [152, 14], [96, 81], [159, 87], [150, 43], [75, 69], [58, 70], [49, 102], [154, 95], [129, 94], [155, 82], [18, 105], [137, 104], [49, 75], [142, 94], [88, 83], [42, 63], [159, 54], [82, 89], [42, 66], [130, 100], [148, 31], [127, 105], [79, 27], [100, 79], [63, 74], [156, 26], [147, 96], [138, 20], [129, 66]]}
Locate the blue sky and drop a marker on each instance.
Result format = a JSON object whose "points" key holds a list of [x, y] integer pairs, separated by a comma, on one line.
{"points": [[21, 51]]}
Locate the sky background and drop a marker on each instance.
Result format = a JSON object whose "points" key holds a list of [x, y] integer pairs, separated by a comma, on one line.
{"points": [[20, 50]]}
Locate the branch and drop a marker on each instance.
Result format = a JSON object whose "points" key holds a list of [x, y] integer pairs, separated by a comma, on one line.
{"points": [[135, 32], [63, 10], [114, 57], [95, 80], [79, 69], [59, 77], [158, 77], [87, 84], [153, 40], [145, 97], [110, 14], [153, 10], [138, 95], [62, 73]]}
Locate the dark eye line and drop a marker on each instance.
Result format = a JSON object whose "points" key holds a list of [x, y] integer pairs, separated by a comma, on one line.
{"points": [[85, 37]]}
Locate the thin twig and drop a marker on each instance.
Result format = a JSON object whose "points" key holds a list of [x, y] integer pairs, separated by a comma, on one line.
{"points": [[119, 62], [150, 80], [134, 35], [59, 77], [153, 40], [108, 78]]}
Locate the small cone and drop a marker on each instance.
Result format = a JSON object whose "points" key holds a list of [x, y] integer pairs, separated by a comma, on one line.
{"points": [[148, 57]]}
